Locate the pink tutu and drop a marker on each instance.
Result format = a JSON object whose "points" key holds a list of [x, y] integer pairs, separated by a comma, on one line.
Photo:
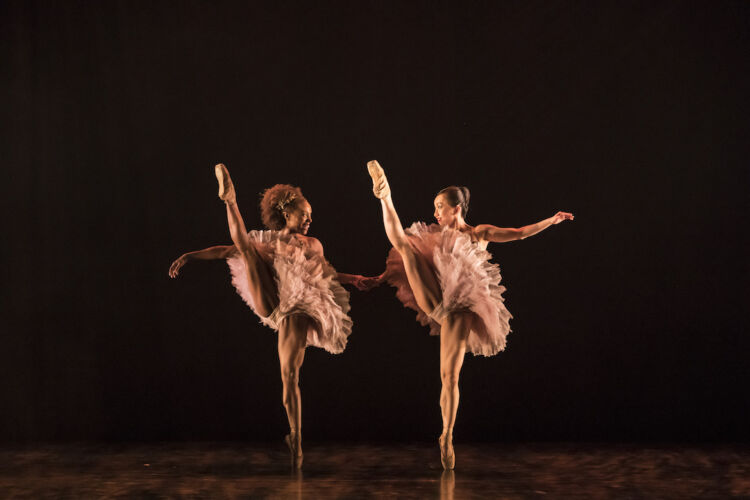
{"points": [[307, 284], [469, 282]]}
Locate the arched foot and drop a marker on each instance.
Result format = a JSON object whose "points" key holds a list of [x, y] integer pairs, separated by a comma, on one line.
{"points": [[380, 187], [295, 451], [226, 188], [447, 455]]}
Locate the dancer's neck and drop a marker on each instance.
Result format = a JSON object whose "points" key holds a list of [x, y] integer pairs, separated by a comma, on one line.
{"points": [[288, 232], [459, 224]]}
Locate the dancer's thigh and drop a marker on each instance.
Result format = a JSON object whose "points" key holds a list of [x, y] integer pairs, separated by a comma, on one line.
{"points": [[292, 342], [261, 281], [453, 335], [422, 280]]}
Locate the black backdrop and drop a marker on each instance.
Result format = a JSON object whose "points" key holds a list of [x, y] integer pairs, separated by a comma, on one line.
{"points": [[629, 322]]}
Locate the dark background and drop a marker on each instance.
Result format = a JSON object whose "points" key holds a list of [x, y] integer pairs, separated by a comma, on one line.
{"points": [[629, 322]]}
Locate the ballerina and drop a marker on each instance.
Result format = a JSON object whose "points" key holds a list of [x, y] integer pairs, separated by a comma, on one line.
{"points": [[443, 272], [283, 276]]}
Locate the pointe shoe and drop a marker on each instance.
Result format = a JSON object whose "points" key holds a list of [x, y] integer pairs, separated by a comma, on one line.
{"points": [[447, 455], [296, 455], [226, 188], [380, 186]]}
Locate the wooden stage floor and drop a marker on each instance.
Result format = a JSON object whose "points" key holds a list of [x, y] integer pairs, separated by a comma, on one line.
{"points": [[242, 470]]}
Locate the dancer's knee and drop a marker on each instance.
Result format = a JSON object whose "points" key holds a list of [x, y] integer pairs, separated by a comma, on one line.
{"points": [[289, 375], [449, 377]]}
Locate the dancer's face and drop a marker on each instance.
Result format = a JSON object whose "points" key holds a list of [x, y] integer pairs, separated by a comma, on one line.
{"points": [[445, 214], [299, 218]]}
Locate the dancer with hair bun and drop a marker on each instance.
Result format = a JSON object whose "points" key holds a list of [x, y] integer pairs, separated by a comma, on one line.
{"points": [[443, 272], [284, 277]]}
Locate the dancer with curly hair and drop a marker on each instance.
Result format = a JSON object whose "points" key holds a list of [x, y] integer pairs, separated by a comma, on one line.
{"points": [[283, 276], [443, 272]]}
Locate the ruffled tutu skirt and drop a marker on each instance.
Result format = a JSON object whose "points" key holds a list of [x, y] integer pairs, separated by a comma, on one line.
{"points": [[468, 280], [306, 284]]}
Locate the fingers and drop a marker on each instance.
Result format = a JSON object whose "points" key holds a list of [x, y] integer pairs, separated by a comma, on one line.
{"points": [[370, 283], [365, 284], [561, 216], [174, 269]]}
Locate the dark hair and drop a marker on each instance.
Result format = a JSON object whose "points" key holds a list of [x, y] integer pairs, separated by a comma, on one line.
{"points": [[275, 200], [457, 196]]}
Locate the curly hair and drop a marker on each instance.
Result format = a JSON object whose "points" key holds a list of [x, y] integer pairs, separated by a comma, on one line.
{"points": [[274, 201]]}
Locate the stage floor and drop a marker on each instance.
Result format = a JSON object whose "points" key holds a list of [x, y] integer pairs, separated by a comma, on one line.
{"points": [[232, 470]]}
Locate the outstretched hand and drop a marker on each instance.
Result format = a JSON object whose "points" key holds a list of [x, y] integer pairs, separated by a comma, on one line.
{"points": [[561, 216], [365, 284], [174, 269]]}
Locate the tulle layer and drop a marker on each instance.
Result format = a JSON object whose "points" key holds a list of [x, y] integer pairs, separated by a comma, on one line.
{"points": [[306, 284], [468, 281]]}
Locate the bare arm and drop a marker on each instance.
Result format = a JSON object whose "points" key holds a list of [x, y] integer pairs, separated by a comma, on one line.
{"points": [[210, 253], [346, 279], [495, 234], [361, 282]]}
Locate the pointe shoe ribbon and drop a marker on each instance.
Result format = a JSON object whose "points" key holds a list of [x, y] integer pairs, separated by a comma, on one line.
{"points": [[380, 186], [226, 188]]}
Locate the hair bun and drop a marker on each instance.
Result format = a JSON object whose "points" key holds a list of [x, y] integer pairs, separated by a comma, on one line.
{"points": [[467, 195], [274, 201]]}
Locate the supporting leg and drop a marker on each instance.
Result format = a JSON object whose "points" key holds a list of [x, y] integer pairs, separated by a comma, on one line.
{"points": [[292, 342], [453, 334]]}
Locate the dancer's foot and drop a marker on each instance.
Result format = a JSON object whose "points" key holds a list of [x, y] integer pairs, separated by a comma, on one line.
{"points": [[447, 455], [380, 186], [295, 449], [226, 188]]}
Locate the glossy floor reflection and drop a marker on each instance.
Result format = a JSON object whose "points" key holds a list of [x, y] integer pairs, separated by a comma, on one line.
{"points": [[228, 470]]}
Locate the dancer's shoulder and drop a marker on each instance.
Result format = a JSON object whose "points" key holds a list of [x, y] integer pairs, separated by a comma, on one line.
{"points": [[312, 243]]}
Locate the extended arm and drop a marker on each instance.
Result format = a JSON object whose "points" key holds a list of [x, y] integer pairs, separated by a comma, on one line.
{"points": [[495, 234], [210, 253], [363, 283], [347, 279], [360, 282]]}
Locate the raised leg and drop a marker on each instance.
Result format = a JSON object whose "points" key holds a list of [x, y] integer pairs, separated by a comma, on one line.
{"points": [[259, 274], [453, 334], [421, 278], [292, 342]]}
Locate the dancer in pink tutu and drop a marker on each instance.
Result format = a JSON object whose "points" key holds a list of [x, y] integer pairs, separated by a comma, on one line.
{"points": [[443, 272], [285, 279]]}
